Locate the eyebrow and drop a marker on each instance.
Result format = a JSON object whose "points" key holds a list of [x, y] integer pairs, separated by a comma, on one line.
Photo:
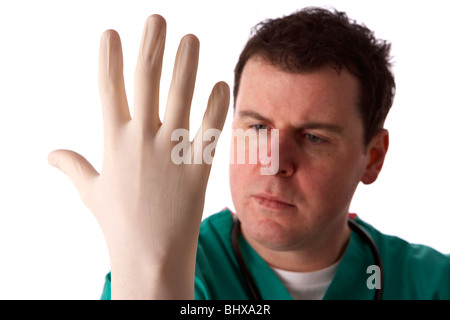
{"points": [[323, 126], [310, 125], [252, 114]]}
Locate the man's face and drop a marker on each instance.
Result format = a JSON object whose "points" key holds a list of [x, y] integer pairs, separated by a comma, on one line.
{"points": [[322, 156]]}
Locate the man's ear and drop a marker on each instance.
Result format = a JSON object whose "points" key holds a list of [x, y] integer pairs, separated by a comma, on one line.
{"points": [[376, 153]]}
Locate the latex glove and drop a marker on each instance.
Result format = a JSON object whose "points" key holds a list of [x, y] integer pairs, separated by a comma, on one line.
{"points": [[148, 208]]}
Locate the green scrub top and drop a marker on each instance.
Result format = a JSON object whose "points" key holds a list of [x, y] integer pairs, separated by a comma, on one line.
{"points": [[410, 271]]}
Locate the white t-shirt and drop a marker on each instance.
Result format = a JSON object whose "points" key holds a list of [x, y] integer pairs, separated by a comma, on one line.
{"points": [[307, 285]]}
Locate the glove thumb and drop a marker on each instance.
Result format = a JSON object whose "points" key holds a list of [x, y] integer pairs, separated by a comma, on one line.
{"points": [[77, 168]]}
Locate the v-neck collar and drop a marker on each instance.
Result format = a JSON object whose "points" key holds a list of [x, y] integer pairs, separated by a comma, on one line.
{"points": [[349, 282]]}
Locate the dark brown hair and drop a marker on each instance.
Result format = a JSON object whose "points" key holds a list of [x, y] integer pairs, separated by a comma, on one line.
{"points": [[314, 37]]}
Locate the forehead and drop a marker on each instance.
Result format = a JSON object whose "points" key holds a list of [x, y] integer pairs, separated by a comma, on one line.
{"points": [[323, 93]]}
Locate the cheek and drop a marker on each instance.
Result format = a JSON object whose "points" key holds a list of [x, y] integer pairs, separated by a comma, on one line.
{"points": [[336, 182], [244, 166], [240, 180], [234, 176], [236, 186]]}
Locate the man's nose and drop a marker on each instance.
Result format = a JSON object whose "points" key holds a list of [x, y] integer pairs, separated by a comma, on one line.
{"points": [[288, 153]]}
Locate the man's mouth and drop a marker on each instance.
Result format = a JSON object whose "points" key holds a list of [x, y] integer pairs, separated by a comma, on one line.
{"points": [[273, 202]]}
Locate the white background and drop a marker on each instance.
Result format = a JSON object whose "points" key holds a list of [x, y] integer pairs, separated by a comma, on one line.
{"points": [[51, 246]]}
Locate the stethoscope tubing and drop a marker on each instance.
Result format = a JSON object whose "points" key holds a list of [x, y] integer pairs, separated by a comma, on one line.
{"points": [[253, 289]]}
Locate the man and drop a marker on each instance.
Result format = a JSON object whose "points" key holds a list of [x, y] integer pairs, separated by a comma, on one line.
{"points": [[321, 86]]}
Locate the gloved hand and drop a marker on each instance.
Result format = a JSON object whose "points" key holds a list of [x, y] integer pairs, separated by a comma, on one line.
{"points": [[148, 207]]}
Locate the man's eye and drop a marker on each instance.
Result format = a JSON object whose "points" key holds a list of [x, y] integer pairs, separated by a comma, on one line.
{"points": [[258, 127], [313, 138]]}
